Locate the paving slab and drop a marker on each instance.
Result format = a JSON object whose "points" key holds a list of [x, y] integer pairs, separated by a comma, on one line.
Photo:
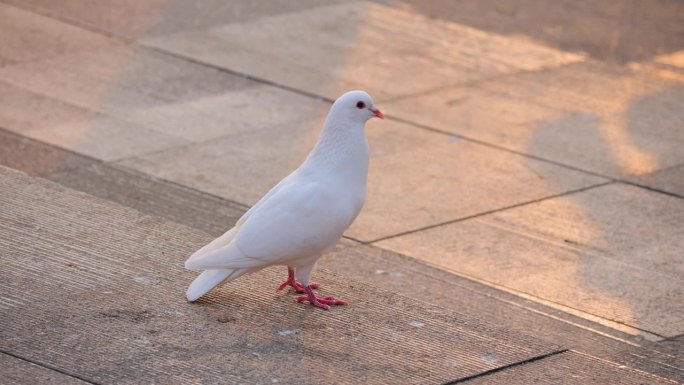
{"points": [[106, 138], [670, 180], [367, 264], [416, 279], [232, 112], [152, 196], [598, 117], [240, 167], [95, 289], [595, 251], [28, 36], [16, 371], [36, 158], [360, 45], [133, 20], [619, 31], [141, 192], [156, 92], [120, 78], [570, 368], [417, 178], [26, 110]]}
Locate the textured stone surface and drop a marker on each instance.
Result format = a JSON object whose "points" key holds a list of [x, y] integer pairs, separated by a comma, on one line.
{"points": [[570, 368], [19, 372], [581, 251], [258, 108], [24, 110], [106, 138], [619, 31], [133, 20], [375, 267], [670, 180], [149, 90], [35, 158], [417, 178], [512, 75], [601, 118], [152, 196], [28, 36], [132, 324], [361, 44]]}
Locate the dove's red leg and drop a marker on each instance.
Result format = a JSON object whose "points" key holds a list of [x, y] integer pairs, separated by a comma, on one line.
{"points": [[322, 302], [292, 281]]}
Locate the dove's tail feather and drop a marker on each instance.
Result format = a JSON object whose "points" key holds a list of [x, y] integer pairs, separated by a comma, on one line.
{"points": [[216, 244], [209, 279]]}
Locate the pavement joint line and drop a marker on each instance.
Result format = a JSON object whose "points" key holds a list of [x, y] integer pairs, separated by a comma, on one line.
{"points": [[237, 73], [477, 82], [498, 147], [49, 367], [520, 305], [495, 370], [121, 167], [609, 362], [74, 23], [567, 310], [476, 215], [649, 188], [541, 304]]}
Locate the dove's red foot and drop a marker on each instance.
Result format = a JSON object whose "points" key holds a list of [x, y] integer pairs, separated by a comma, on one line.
{"points": [[322, 302], [292, 282]]}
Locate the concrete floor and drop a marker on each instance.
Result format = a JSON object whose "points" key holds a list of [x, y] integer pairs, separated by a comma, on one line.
{"points": [[525, 189]]}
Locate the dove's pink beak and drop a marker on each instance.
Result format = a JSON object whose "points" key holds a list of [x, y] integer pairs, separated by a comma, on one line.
{"points": [[377, 113]]}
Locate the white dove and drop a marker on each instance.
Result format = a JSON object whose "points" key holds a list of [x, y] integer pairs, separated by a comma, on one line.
{"points": [[304, 215]]}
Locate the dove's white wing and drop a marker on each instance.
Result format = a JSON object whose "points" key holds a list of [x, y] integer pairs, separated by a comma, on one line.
{"points": [[298, 221], [228, 236]]}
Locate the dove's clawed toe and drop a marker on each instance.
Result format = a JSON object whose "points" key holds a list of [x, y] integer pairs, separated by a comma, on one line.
{"points": [[322, 302], [293, 283]]}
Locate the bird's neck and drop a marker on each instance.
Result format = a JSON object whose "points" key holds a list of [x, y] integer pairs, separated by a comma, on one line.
{"points": [[341, 149]]}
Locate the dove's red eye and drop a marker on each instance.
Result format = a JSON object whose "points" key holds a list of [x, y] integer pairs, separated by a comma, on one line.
{"points": [[360, 105]]}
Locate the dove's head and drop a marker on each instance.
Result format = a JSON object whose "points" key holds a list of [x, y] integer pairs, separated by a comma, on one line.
{"points": [[356, 105]]}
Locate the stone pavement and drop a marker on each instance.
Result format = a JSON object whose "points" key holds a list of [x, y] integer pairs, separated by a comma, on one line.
{"points": [[525, 213]]}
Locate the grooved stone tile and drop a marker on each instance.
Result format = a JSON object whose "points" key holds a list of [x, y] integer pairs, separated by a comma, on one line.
{"points": [[26, 36], [363, 44], [417, 178], [19, 372], [571, 368], [97, 289], [595, 251], [129, 188], [610, 120], [35, 158], [152, 196]]}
